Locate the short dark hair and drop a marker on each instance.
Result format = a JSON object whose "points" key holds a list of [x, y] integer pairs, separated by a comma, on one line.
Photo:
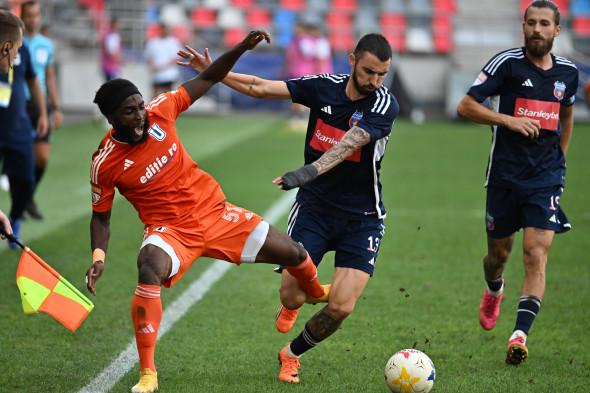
{"points": [[545, 4], [112, 93], [375, 44], [10, 24]]}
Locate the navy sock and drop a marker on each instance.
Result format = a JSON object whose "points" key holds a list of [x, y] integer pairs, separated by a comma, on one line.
{"points": [[304, 342], [528, 308], [494, 285]]}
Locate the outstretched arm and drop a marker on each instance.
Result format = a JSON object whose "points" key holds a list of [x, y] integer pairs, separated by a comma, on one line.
{"points": [[354, 139], [472, 110], [249, 85], [201, 84], [100, 232]]}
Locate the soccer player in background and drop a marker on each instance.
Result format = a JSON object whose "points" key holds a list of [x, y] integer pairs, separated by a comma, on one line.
{"points": [[339, 206], [11, 39], [42, 57], [182, 207], [531, 93]]}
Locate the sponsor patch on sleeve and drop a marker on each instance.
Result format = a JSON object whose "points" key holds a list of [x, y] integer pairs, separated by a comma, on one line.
{"points": [[481, 78], [96, 193]]}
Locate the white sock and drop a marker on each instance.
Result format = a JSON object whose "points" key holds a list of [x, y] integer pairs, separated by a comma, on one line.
{"points": [[288, 352], [518, 333], [496, 293]]}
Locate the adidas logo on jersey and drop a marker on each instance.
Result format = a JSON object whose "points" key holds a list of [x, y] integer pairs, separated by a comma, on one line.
{"points": [[527, 83], [327, 109], [128, 164]]}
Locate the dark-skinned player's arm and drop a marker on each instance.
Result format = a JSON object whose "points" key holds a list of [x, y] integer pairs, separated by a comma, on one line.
{"points": [[354, 139], [249, 85], [218, 70], [100, 232]]}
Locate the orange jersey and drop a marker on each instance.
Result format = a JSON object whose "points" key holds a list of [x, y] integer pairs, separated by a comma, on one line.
{"points": [[158, 176]]}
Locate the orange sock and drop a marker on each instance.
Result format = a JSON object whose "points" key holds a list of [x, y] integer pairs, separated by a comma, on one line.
{"points": [[146, 313], [306, 274]]}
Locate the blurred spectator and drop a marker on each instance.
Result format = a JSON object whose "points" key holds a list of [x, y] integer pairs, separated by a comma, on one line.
{"points": [[45, 30], [161, 56], [42, 58], [111, 51], [17, 133], [309, 54]]}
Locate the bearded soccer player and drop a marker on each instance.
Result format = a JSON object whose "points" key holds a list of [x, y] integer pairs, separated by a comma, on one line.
{"points": [[183, 208], [339, 206], [531, 93]]}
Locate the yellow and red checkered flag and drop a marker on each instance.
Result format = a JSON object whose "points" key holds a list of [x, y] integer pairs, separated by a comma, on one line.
{"points": [[44, 289]]}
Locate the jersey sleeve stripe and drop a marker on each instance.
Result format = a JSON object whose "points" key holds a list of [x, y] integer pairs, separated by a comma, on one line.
{"points": [[383, 101], [157, 101], [106, 150], [564, 61], [495, 63]]}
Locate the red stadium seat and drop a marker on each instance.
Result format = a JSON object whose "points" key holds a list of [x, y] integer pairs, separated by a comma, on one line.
{"points": [[444, 7], [202, 17], [393, 27], [339, 22], [233, 36], [243, 3], [293, 5], [348, 6], [258, 18], [581, 26], [442, 34], [342, 41]]}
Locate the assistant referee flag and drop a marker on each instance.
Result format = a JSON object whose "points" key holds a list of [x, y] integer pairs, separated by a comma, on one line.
{"points": [[44, 289]]}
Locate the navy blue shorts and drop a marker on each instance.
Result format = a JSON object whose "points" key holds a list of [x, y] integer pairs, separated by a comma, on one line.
{"points": [[507, 211], [18, 160], [355, 242], [34, 114]]}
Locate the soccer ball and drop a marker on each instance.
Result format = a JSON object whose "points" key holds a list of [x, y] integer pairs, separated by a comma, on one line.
{"points": [[410, 371]]}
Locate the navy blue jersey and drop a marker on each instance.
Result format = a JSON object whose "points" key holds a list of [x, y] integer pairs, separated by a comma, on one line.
{"points": [[15, 125], [352, 188], [517, 87]]}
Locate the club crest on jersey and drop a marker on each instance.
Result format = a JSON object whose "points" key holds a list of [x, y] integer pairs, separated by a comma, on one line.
{"points": [[559, 90], [157, 132], [96, 193], [489, 221], [356, 116]]}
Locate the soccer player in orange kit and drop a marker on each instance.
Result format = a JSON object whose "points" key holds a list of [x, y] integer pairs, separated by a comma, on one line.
{"points": [[182, 207]]}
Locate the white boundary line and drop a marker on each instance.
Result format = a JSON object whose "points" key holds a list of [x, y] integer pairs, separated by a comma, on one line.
{"points": [[175, 311]]}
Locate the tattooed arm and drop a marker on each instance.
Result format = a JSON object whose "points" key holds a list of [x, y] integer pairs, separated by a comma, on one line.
{"points": [[354, 139]]}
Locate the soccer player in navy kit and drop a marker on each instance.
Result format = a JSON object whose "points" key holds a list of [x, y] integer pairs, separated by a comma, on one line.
{"points": [[339, 205], [531, 93]]}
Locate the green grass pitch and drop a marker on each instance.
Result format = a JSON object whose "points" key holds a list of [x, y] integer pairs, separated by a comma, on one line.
{"points": [[425, 293]]}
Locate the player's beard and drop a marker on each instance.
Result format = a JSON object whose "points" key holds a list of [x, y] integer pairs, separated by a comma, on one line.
{"points": [[125, 134], [361, 89], [538, 49]]}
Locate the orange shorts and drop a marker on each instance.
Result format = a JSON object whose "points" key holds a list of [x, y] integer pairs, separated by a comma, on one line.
{"points": [[221, 233]]}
